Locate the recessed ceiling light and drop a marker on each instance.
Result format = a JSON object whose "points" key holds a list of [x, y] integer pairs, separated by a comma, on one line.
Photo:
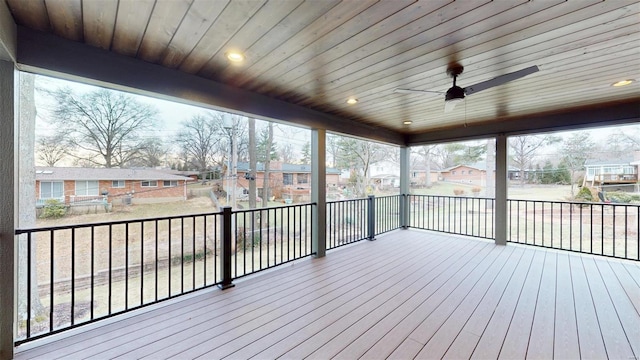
{"points": [[352, 101], [623, 82], [407, 122], [235, 56]]}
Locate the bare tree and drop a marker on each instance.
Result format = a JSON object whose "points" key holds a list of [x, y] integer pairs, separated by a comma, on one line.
{"points": [[151, 154], [426, 153], [51, 149], [358, 155], [253, 163], [267, 165], [286, 153], [197, 140], [576, 150], [103, 125], [524, 149]]}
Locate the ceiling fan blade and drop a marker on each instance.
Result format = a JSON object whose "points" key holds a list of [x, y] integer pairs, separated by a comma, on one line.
{"points": [[411, 91], [502, 79]]}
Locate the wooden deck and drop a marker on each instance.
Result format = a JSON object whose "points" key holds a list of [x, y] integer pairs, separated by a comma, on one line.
{"points": [[410, 294]]}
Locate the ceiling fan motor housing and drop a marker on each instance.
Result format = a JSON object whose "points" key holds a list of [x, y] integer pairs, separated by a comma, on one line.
{"points": [[455, 92]]}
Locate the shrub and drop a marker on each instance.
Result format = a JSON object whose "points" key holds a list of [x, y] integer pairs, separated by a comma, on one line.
{"points": [[458, 192], [53, 209], [476, 190], [584, 195]]}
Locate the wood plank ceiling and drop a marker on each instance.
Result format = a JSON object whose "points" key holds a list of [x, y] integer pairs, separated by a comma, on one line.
{"points": [[318, 53]]}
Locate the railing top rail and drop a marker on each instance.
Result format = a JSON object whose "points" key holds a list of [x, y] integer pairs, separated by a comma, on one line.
{"points": [[575, 202], [273, 207], [452, 196], [347, 200], [107, 223], [389, 196]]}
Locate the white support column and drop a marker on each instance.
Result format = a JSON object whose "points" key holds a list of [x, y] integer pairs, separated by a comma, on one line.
{"points": [[405, 154], [501, 190], [319, 191], [8, 208]]}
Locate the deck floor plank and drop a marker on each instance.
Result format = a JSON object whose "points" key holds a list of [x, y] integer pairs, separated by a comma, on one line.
{"points": [[273, 346], [517, 339], [565, 345], [589, 332], [464, 298], [615, 340], [541, 339], [410, 294], [388, 343], [449, 331], [623, 306], [493, 332]]}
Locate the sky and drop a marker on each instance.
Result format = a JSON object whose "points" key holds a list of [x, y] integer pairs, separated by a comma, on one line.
{"points": [[171, 114]]}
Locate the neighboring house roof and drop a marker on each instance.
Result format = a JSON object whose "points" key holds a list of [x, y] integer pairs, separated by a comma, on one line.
{"points": [[77, 173], [620, 160], [459, 166], [286, 168]]}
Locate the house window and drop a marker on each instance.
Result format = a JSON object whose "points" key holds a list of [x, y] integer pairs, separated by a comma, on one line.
{"points": [[470, 172], [287, 179], [87, 188], [453, 172], [303, 178], [462, 173], [51, 189], [117, 184], [149, 183], [170, 183], [414, 174], [591, 171]]}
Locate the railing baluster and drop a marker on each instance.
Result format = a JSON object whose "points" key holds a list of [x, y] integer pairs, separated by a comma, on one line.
{"points": [[73, 276], [52, 276], [141, 262]]}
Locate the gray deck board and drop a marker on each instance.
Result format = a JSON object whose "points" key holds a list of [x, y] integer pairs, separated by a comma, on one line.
{"points": [[410, 294]]}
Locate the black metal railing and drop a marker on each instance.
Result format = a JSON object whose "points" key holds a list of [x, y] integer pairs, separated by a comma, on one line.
{"points": [[268, 237], [594, 228], [387, 213], [471, 216], [76, 274], [347, 222]]}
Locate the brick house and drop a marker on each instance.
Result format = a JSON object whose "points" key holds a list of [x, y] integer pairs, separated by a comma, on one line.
{"points": [[285, 180], [75, 185], [465, 174]]}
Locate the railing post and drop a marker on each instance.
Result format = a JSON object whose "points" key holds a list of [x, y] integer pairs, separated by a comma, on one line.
{"points": [[371, 217], [226, 247], [404, 211]]}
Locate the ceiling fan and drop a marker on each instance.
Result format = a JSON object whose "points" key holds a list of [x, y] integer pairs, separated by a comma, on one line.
{"points": [[456, 94]]}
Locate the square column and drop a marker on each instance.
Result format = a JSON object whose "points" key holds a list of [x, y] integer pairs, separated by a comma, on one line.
{"points": [[8, 208], [405, 153], [501, 190], [319, 192]]}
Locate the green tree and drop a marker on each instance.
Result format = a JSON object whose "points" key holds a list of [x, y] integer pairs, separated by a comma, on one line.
{"points": [[306, 153], [267, 145]]}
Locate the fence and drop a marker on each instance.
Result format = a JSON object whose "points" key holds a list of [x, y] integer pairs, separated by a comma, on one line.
{"points": [[594, 228], [76, 274], [469, 216], [72, 275]]}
